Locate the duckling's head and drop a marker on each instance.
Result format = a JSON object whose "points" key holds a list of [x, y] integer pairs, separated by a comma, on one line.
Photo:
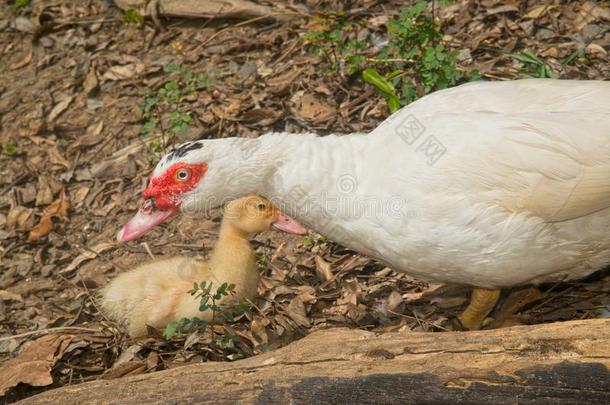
{"points": [[254, 214]]}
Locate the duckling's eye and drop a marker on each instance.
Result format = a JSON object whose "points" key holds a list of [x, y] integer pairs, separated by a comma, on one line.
{"points": [[261, 206], [183, 175]]}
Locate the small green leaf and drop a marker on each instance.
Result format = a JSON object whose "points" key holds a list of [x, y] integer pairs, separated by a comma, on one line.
{"points": [[172, 68], [10, 148], [170, 330], [393, 103], [132, 16], [373, 77]]}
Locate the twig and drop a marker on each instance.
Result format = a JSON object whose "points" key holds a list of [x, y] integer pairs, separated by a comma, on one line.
{"points": [[49, 330], [389, 60], [246, 22], [147, 248]]}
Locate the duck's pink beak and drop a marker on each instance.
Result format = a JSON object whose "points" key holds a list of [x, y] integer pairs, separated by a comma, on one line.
{"points": [[287, 224], [145, 219]]}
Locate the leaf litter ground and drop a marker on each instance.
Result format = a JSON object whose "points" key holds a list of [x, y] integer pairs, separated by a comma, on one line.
{"points": [[74, 160]]}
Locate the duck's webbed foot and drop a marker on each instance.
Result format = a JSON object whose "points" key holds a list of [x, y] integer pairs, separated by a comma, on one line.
{"points": [[482, 301]]}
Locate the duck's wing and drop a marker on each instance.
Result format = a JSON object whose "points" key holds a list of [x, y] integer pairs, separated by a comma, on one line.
{"points": [[554, 166], [520, 96]]}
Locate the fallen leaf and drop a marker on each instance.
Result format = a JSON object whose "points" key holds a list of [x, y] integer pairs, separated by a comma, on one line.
{"points": [[122, 72], [27, 58], [56, 158], [414, 296], [589, 12], [91, 137], [596, 49], [282, 83], [87, 255], [79, 195], [449, 302], [60, 107], [260, 116], [375, 23], [516, 300], [34, 363], [124, 369], [18, 217], [9, 296], [323, 269], [538, 11], [44, 194], [296, 311], [24, 24], [91, 83], [58, 209], [311, 108]]}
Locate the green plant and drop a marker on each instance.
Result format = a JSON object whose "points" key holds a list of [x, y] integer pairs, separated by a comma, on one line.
{"points": [[308, 242], [10, 148], [166, 105], [535, 66], [19, 4], [208, 301], [336, 41], [413, 63], [415, 60], [132, 16]]}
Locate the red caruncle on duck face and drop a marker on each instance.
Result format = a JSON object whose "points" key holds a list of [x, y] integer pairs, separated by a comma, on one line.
{"points": [[162, 198], [166, 190]]}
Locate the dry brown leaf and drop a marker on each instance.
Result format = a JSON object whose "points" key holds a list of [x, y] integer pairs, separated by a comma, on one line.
{"points": [[375, 23], [60, 107], [311, 108], [91, 83], [122, 72], [79, 195], [323, 269], [260, 116], [9, 296], [34, 363], [589, 12], [27, 58], [44, 194], [597, 50], [58, 209], [56, 158], [296, 311], [414, 296], [124, 369], [538, 11], [89, 254], [18, 217], [282, 83], [91, 137]]}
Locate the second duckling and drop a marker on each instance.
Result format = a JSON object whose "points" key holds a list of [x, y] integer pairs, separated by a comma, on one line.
{"points": [[156, 293]]}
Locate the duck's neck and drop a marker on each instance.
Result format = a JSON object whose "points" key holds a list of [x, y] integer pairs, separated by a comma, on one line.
{"points": [[304, 175], [313, 179], [232, 261]]}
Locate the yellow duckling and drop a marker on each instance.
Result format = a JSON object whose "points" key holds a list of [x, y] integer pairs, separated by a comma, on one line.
{"points": [[156, 293]]}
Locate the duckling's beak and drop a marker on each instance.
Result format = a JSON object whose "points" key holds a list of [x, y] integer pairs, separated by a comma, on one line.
{"points": [[287, 224], [147, 217]]}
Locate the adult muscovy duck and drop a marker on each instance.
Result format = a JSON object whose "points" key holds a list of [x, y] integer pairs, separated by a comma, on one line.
{"points": [[488, 184]]}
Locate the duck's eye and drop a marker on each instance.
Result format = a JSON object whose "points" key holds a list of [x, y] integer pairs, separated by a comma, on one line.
{"points": [[261, 206], [183, 175]]}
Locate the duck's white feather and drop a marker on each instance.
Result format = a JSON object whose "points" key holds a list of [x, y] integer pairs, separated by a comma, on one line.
{"points": [[487, 184]]}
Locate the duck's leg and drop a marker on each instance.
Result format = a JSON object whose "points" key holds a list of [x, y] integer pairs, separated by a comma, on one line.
{"points": [[482, 302]]}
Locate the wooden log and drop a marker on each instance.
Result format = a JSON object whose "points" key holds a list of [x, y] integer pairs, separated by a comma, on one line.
{"points": [[560, 363]]}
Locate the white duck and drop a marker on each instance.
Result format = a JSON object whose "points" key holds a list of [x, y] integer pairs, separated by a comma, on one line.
{"points": [[489, 184]]}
